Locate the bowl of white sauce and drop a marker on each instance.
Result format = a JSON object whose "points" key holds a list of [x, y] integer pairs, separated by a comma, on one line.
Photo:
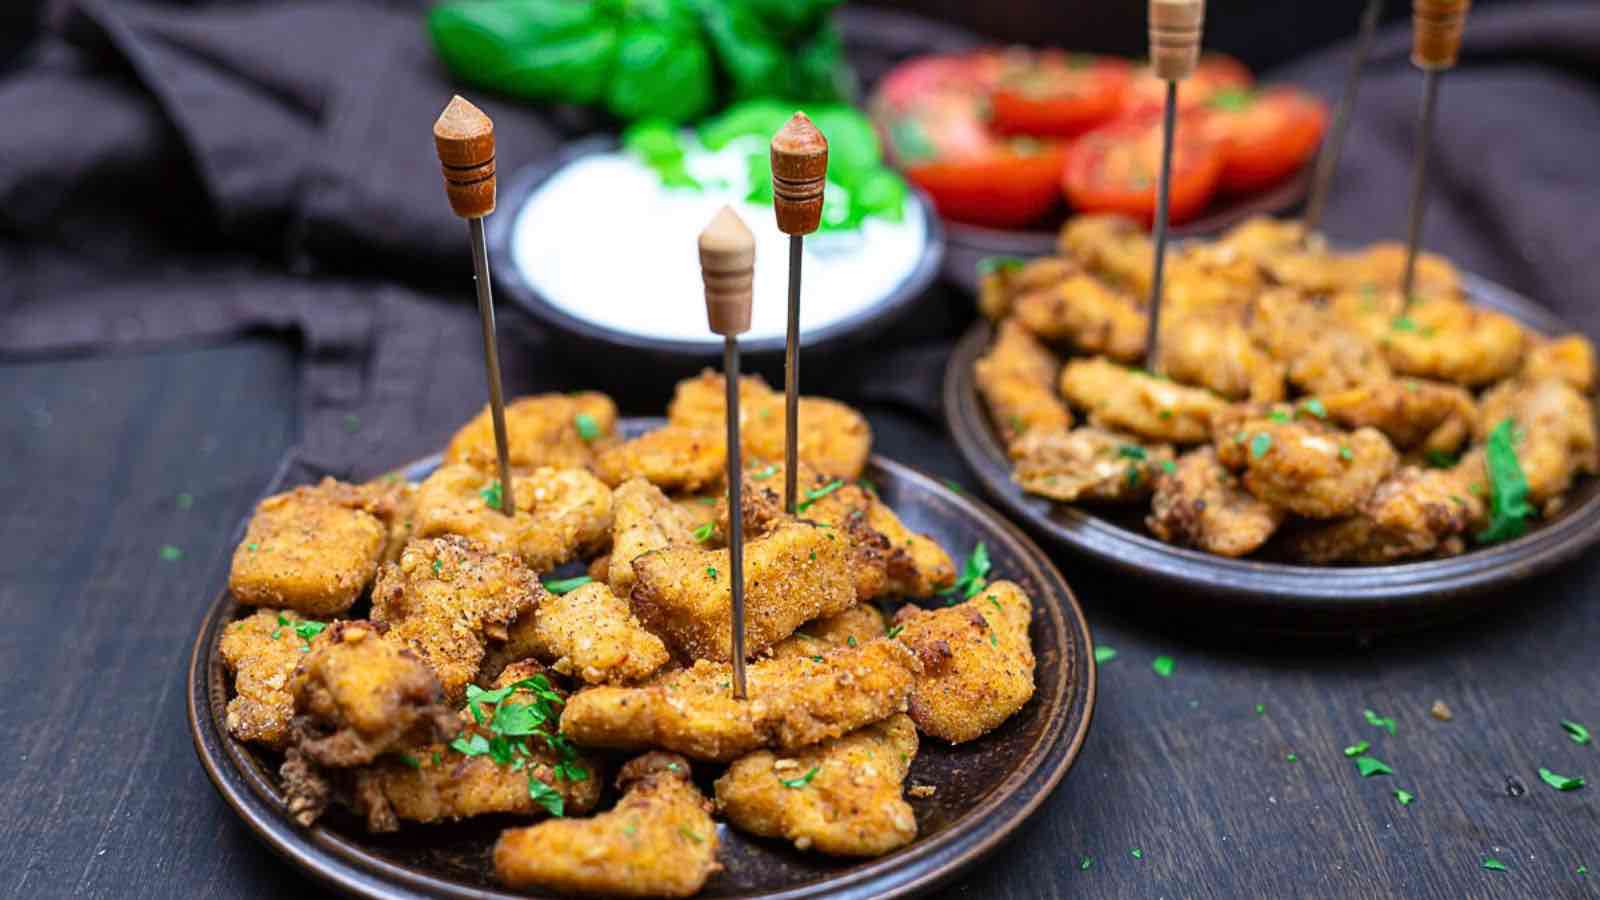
{"points": [[593, 245]]}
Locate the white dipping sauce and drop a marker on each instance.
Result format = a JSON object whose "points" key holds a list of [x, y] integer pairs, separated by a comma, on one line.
{"points": [[603, 241]]}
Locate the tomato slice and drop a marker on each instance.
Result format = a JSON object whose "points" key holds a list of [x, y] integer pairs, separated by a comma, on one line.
{"points": [[1146, 94], [927, 78], [1014, 184], [1115, 169], [1266, 136], [1057, 94]]}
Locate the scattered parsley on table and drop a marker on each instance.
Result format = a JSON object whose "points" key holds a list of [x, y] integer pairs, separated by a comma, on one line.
{"points": [[1578, 733], [1377, 721], [1560, 782], [1369, 766], [1358, 748], [171, 553], [1493, 865], [1162, 665], [1104, 654]]}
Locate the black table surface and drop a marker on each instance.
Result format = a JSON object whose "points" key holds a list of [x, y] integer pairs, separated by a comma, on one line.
{"points": [[1186, 787]]}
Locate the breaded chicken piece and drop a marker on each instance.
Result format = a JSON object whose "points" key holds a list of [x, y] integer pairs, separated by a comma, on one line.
{"points": [[1200, 504], [851, 628], [917, 565], [1211, 282], [262, 650], [1017, 378], [1570, 358], [701, 509], [658, 841], [392, 499], [1122, 399], [998, 288], [1456, 342], [977, 662], [561, 513], [1114, 247], [1414, 512], [834, 439], [1383, 264], [1085, 312], [643, 521], [1216, 352], [1557, 428], [307, 551], [1321, 352], [791, 576], [792, 703], [541, 430], [1425, 415], [589, 634], [674, 458], [447, 598], [1304, 465], [842, 797], [1088, 463]]}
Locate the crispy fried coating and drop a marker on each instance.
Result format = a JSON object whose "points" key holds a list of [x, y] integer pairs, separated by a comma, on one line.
{"points": [[447, 598], [1383, 264], [1414, 512], [644, 521], [561, 513], [1412, 413], [674, 458], [1454, 341], [541, 430], [998, 288], [1200, 504], [834, 439], [851, 628], [1087, 313], [791, 576], [658, 841], [1088, 463], [1304, 465], [1017, 377], [977, 662], [1558, 440], [392, 499], [792, 702], [1116, 248], [917, 565], [262, 650], [589, 634], [842, 797], [1321, 351], [1122, 399], [308, 551], [1570, 358], [1216, 352]]}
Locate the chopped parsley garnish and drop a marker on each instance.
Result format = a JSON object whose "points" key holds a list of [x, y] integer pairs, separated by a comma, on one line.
{"points": [[1345, 453], [894, 632], [1131, 451], [1369, 766], [1169, 467], [992, 264], [513, 725], [1260, 444], [802, 781], [1405, 797], [1404, 323], [493, 495], [704, 532], [868, 485], [171, 553], [1439, 459], [1085, 863], [566, 585], [437, 758], [283, 622], [1290, 757], [252, 546], [1509, 509], [588, 428], [1315, 407], [1493, 865], [307, 630], [1358, 748], [410, 760], [1578, 733], [1104, 654], [815, 494], [1133, 476], [764, 474], [185, 501], [1279, 415], [438, 566], [1136, 853], [974, 575], [687, 832], [850, 640], [1377, 721], [1560, 782], [952, 485], [706, 501], [711, 572], [546, 796], [1162, 665], [1261, 709]]}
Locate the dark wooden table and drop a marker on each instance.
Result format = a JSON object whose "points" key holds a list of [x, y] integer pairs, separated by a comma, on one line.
{"points": [[1186, 787]]}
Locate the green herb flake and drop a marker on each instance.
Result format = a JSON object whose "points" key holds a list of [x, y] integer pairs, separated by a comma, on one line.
{"points": [[170, 553], [704, 532], [1560, 782], [1133, 476], [687, 832], [764, 474], [1404, 323], [1578, 733], [868, 485], [561, 586], [410, 760], [546, 796], [1132, 451], [1315, 407], [471, 745], [437, 758], [711, 572], [989, 265], [185, 501], [1260, 444], [815, 494], [1345, 453], [1493, 865], [1169, 467], [352, 423], [1136, 853], [952, 485], [588, 428], [1279, 415], [1405, 797], [1582, 870], [438, 566], [307, 630], [802, 781], [1261, 709], [850, 640], [252, 546], [1509, 509], [1162, 665], [1291, 757], [493, 495], [894, 632], [1104, 654], [1369, 766], [1358, 748], [706, 501], [1439, 459], [974, 575], [1377, 721], [1085, 863]]}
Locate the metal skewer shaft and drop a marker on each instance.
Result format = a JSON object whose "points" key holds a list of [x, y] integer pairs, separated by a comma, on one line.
{"points": [[1152, 336], [1333, 147], [464, 139], [730, 369], [799, 175], [1419, 182], [1175, 27], [1435, 45]]}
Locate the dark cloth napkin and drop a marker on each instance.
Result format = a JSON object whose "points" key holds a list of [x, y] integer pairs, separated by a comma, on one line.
{"points": [[201, 172]]}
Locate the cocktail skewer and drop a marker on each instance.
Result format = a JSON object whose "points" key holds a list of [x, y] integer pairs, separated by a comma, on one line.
{"points": [[1435, 43], [464, 138], [727, 265], [1333, 147], [1174, 52], [799, 173]]}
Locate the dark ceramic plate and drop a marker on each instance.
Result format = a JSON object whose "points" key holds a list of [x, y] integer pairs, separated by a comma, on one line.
{"points": [[986, 788], [509, 280], [1280, 597]]}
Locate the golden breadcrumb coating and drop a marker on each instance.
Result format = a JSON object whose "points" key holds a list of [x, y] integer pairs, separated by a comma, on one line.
{"points": [[392, 499], [792, 702], [658, 841], [1017, 377], [674, 458], [1217, 352], [1412, 413], [834, 438], [792, 575], [643, 521], [1321, 351], [1113, 247], [1440, 338], [842, 797], [977, 662], [561, 513], [1570, 358], [262, 650], [306, 550], [1557, 428], [1414, 512], [999, 288], [541, 430], [1122, 399], [447, 598], [589, 634], [1086, 313], [1200, 504], [1302, 464], [1088, 463], [851, 628]]}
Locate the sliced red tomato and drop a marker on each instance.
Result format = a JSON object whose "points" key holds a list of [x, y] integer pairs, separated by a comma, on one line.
{"points": [[922, 78], [1055, 94], [1146, 94], [1266, 136], [1013, 184], [1115, 169]]}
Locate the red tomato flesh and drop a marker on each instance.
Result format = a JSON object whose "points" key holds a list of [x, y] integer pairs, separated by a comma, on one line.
{"points": [[1115, 169], [1266, 136]]}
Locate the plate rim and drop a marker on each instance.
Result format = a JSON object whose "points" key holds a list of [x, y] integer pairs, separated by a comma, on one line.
{"points": [[340, 862]]}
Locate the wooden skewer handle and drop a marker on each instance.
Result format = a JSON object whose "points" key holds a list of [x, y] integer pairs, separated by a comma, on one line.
{"points": [[464, 137], [1436, 32], [1175, 27], [728, 266], [799, 173]]}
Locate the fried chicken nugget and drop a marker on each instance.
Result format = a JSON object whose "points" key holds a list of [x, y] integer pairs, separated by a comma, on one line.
{"points": [[658, 841], [834, 439], [1087, 313], [674, 458], [1088, 463], [557, 430], [851, 628], [1217, 352], [1017, 378], [447, 598], [308, 551], [392, 499], [841, 797], [1558, 440], [1200, 504], [1570, 358], [1002, 284], [561, 513], [792, 575], [792, 703], [1302, 465], [1114, 247], [644, 521], [1122, 399], [977, 662], [588, 633], [262, 650], [1321, 351], [1412, 413], [1414, 512], [1454, 341]]}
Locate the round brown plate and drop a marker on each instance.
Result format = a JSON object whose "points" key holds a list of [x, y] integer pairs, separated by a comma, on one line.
{"points": [[985, 788], [1280, 597]]}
